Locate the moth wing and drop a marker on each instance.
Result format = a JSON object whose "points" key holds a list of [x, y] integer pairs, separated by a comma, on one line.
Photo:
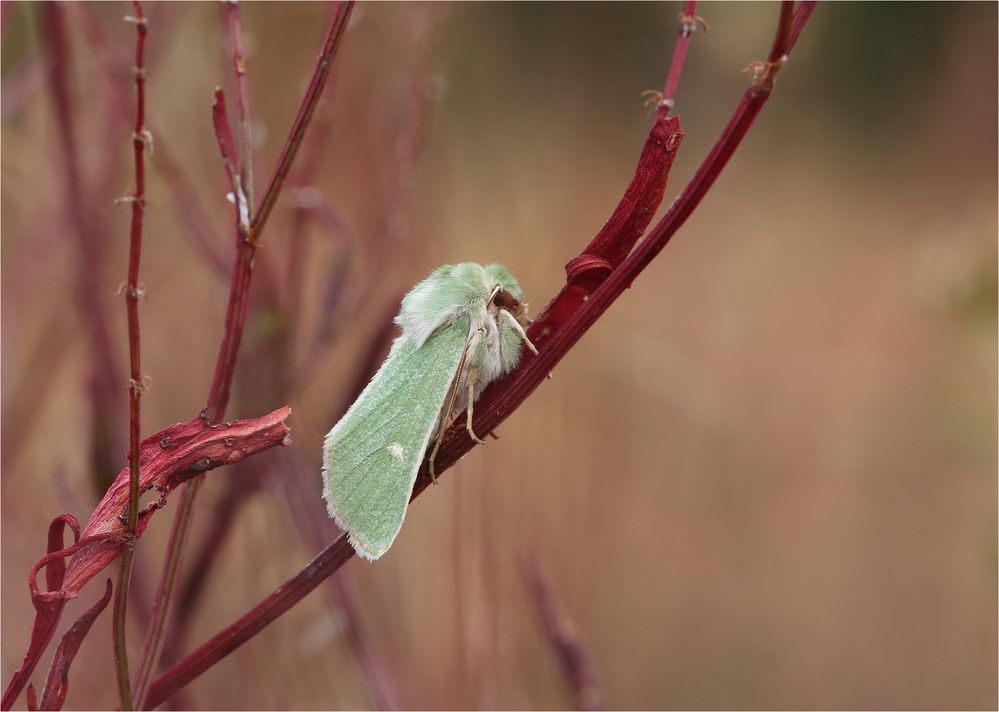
{"points": [[372, 455]]}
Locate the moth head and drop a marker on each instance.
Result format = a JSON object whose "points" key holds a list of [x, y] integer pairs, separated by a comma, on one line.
{"points": [[504, 299], [505, 293]]}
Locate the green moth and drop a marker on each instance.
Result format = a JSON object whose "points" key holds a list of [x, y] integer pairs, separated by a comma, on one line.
{"points": [[462, 328]]}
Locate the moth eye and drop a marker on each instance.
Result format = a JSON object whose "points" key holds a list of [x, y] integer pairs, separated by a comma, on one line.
{"points": [[505, 300]]}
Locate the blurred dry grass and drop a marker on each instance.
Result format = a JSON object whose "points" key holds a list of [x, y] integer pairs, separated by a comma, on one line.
{"points": [[766, 479]]}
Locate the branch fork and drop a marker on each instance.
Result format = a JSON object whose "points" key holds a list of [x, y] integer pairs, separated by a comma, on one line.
{"points": [[167, 459]]}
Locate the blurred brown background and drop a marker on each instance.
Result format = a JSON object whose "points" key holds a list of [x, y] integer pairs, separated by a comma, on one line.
{"points": [[765, 479]]}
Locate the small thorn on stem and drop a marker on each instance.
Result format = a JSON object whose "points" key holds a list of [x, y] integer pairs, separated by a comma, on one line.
{"points": [[655, 100], [764, 74], [140, 385], [129, 197], [146, 137], [689, 23]]}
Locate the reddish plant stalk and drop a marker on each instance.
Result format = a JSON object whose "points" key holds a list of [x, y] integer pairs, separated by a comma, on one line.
{"points": [[312, 94], [47, 612], [162, 607], [574, 658], [57, 681], [104, 390], [231, 9], [587, 295], [235, 318], [218, 397], [688, 23], [190, 210], [135, 386], [248, 625]]}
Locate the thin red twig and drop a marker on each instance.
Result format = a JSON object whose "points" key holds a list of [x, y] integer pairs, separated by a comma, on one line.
{"points": [[242, 100], [135, 385], [688, 25], [57, 681], [323, 64], [162, 607], [574, 658], [594, 282], [190, 210], [107, 436], [47, 612]]}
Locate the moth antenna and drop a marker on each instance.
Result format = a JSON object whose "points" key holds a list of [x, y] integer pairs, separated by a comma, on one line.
{"points": [[520, 330]]}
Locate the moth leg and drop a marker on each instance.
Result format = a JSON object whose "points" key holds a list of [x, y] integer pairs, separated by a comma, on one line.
{"points": [[493, 435], [520, 330], [433, 457], [452, 396], [473, 379]]}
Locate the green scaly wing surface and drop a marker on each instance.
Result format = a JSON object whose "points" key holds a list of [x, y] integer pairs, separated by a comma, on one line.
{"points": [[371, 457]]}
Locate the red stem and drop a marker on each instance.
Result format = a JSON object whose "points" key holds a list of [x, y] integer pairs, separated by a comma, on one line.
{"points": [[135, 387], [239, 290], [57, 682], [102, 379], [242, 100], [502, 398], [688, 24], [162, 605], [323, 64], [574, 658], [223, 643], [47, 612]]}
